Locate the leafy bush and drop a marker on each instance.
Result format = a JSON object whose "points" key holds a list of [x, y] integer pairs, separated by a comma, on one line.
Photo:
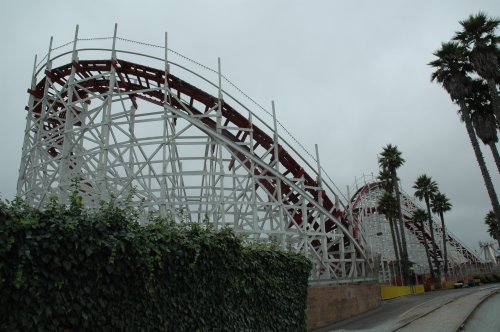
{"points": [[73, 268]]}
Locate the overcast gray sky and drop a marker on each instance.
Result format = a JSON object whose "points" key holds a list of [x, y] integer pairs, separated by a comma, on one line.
{"points": [[351, 76]]}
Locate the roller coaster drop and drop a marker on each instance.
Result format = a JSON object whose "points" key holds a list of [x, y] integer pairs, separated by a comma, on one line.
{"points": [[192, 155]]}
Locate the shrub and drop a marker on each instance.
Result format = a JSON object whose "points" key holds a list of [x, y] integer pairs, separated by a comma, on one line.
{"points": [[73, 268]]}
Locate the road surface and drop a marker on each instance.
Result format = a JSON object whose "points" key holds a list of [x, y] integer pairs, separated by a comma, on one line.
{"points": [[467, 309]]}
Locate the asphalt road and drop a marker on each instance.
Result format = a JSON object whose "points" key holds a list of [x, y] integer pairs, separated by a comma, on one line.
{"points": [[444, 310], [486, 317]]}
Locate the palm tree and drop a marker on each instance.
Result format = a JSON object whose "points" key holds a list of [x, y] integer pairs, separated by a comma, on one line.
{"points": [[493, 226], [390, 159], [478, 35], [425, 189], [385, 182], [441, 204], [387, 205], [485, 129], [452, 67], [419, 217], [483, 119]]}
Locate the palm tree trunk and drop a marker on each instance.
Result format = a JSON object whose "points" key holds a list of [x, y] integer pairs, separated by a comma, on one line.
{"points": [[498, 238], [480, 160], [494, 151], [433, 239], [444, 245], [494, 99], [422, 227], [395, 241], [398, 239], [404, 253]]}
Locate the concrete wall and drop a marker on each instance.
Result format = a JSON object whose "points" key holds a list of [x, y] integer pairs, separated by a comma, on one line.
{"points": [[327, 304]]}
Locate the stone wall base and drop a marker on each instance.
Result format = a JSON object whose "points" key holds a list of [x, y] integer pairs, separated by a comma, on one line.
{"points": [[328, 304]]}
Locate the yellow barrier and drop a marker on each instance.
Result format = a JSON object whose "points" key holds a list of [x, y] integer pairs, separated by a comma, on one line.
{"points": [[449, 284], [390, 292]]}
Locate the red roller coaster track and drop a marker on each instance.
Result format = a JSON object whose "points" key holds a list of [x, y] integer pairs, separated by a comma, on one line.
{"points": [[135, 80]]}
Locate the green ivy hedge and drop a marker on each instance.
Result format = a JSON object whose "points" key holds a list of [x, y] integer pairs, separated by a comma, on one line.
{"points": [[73, 268]]}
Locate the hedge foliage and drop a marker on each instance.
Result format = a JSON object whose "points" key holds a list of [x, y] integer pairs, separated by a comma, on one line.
{"points": [[67, 267]]}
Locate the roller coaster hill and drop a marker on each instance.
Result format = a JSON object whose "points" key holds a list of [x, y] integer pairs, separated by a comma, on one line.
{"points": [[128, 117]]}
